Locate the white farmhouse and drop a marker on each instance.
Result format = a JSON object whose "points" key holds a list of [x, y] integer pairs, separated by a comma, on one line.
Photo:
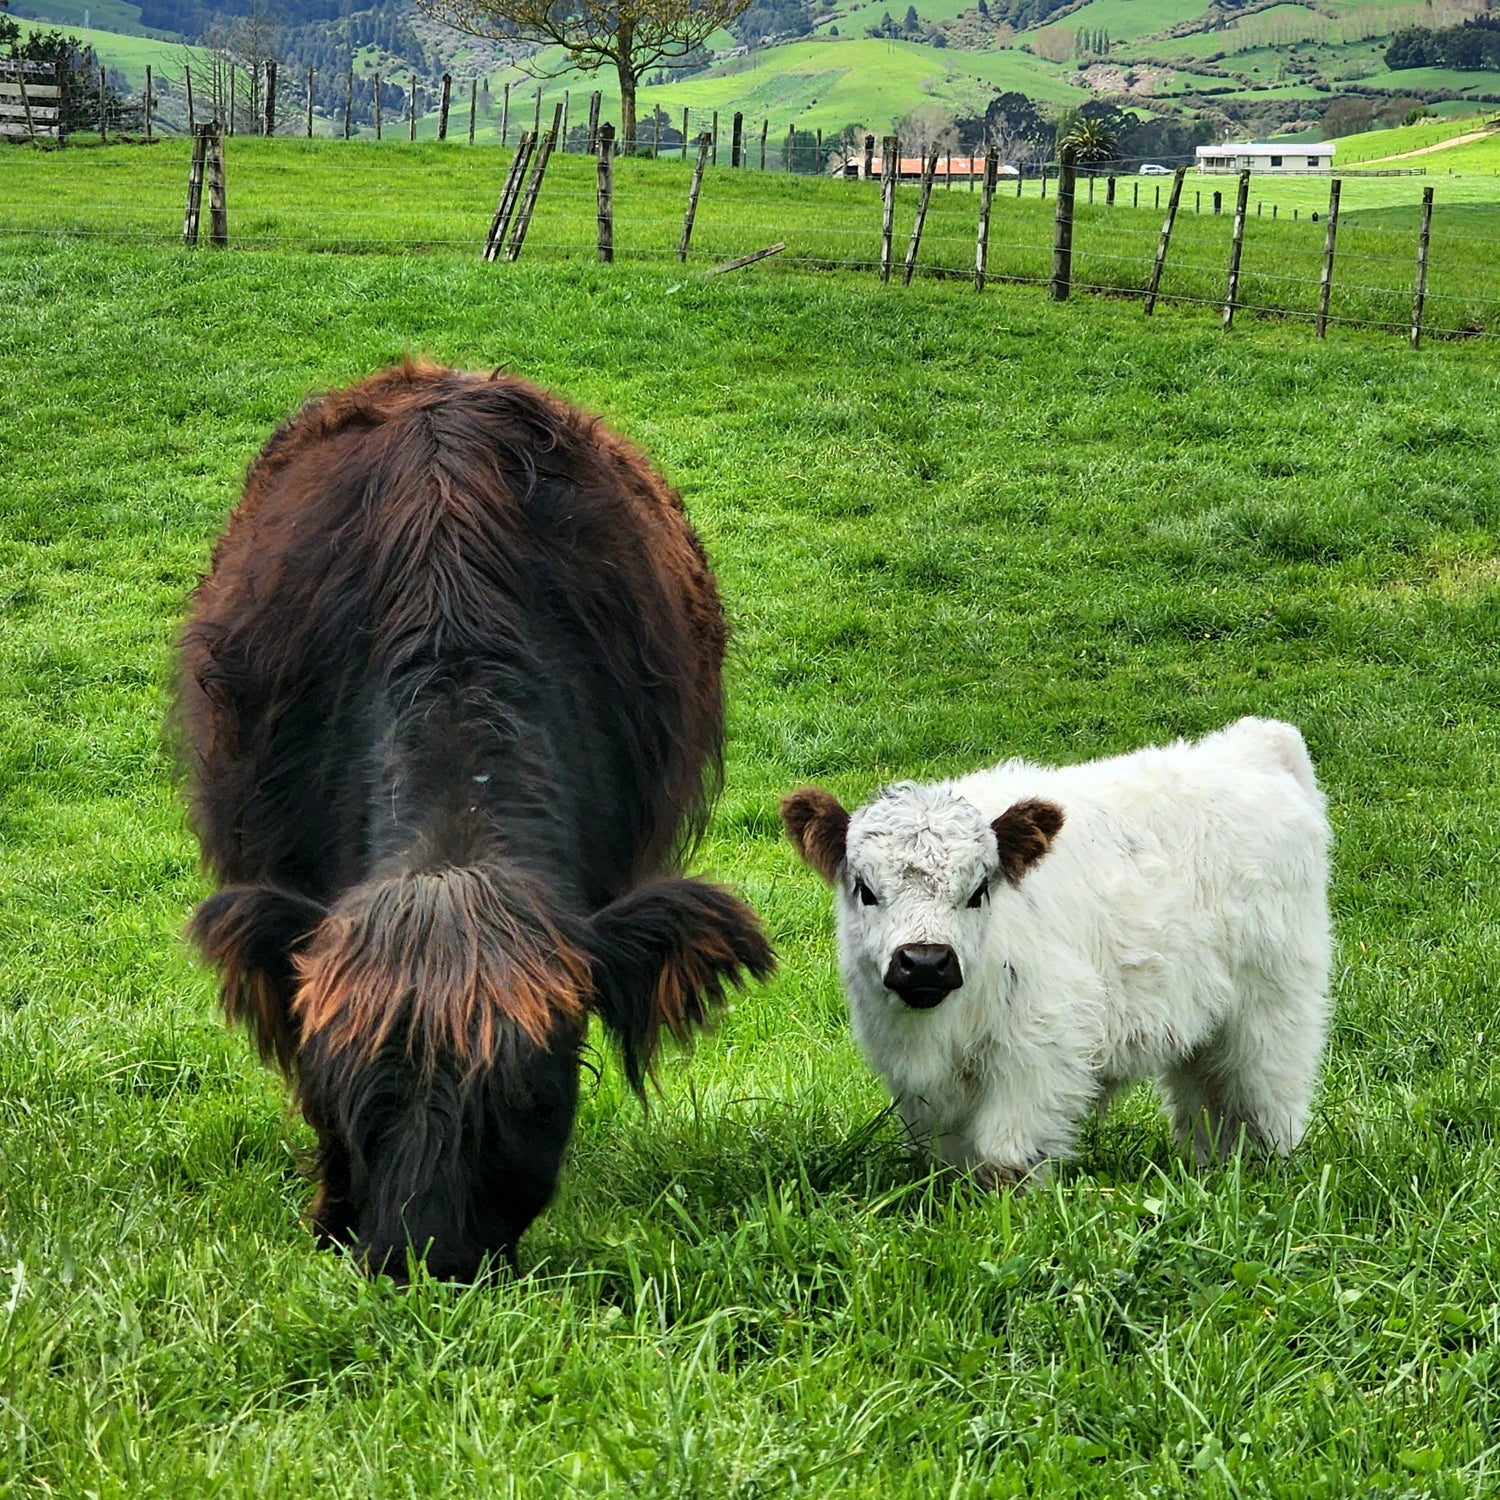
{"points": [[1284, 157]]}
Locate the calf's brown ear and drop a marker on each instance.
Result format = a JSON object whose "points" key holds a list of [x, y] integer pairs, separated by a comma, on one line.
{"points": [[1024, 833], [817, 825]]}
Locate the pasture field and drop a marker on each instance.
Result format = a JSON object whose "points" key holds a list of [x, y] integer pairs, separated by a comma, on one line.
{"points": [[946, 530], [351, 196]]}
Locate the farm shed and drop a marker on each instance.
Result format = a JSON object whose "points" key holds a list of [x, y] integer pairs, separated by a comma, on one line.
{"points": [[909, 168], [1261, 157]]}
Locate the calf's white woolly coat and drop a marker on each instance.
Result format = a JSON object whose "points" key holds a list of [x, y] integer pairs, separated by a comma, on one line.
{"points": [[1021, 942]]}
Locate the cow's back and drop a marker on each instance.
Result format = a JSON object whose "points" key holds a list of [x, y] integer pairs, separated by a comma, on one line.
{"points": [[427, 568]]}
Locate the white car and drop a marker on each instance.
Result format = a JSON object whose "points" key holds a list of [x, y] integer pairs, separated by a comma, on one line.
{"points": [[1155, 169]]}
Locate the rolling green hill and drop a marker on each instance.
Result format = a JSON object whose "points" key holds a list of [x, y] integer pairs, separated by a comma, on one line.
{"points": [[1260, 71]]}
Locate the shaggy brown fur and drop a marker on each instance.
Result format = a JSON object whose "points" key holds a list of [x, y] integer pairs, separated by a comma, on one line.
{"points": [[450, 705]]}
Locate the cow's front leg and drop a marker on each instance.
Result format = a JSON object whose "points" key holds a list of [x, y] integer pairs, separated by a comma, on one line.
{"points": [[1030, 1114]]}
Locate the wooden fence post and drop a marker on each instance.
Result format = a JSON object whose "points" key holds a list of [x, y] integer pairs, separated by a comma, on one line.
{"points": [[473, 106], [737, 140], [704, 146], [818, 154], [1173, 199], [562, 139], [309, 102], [1236, 247], [443, 107], [195, 188], [684, 134], [411, 110], [148, 100], [765, 125], [377, 108], [533, 187], [536, 119], [791, 146], [270, 97], [595, 100], [713, 157], [229, 112], [1062, 226], [1419, 295], [508, 195], [929, 167], [986, 194], [869, 157], [505, 115], [655, 133], [889, 168], [348, 102], [1325, 282], [606, 157], [187, 79], [103, 110], [1109, 192], [218, 209]]}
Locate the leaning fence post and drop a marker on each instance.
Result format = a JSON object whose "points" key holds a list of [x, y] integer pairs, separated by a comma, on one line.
{"points": [[929, 167], [195, 187], [218, 209], [737, 139], [704, 146], [889, 169], [606, 159], [533, 187], [1236, 246], [505, 115], [508, 194], [1062, 226], [986, 194], [1325, 282], [1419, 296], [443, 107], [1173, 199]]}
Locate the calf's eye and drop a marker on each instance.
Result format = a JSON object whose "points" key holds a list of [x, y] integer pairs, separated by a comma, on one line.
{"points": [[865, 894], [977, 899]]}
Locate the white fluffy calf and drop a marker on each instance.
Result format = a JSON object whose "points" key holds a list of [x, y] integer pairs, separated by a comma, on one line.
{"points": [[1020, 943]]}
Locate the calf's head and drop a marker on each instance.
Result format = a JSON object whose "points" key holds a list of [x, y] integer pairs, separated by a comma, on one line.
{"points": [[914, 874], [432, 1025]]}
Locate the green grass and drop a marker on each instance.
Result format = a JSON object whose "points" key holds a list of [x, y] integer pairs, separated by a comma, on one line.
{"points": [[337, 196], [947, 529]]}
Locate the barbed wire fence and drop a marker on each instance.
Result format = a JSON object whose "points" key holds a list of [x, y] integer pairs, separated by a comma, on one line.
{"points": [[941, 215]]}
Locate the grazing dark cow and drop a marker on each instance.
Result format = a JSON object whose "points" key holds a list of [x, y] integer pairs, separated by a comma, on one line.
{"points": [[450, 707]]}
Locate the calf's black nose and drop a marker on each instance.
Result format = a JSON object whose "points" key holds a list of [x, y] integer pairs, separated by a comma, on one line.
{"points": [[924, 974]]}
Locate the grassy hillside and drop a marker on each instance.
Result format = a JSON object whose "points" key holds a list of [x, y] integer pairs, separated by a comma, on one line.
{"points": [[1285, 61], [947, 530]]}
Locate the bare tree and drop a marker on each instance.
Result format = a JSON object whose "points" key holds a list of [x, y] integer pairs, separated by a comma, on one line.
{"points": [[631, 36]]}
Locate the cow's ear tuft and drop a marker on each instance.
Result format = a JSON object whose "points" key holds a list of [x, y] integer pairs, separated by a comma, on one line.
{"points": [[1024, 833], [818, 827]]}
